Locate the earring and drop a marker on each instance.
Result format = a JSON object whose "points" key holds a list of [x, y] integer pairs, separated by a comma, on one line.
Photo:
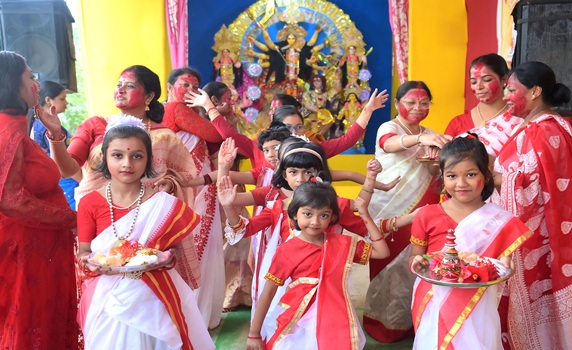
{"points": [[146, 107]]}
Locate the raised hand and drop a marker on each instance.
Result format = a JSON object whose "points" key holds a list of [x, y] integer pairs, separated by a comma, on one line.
{"points": [[198, 99], [50, 119], [227, 154], [377, 100], [373, 167], [226, 191]]}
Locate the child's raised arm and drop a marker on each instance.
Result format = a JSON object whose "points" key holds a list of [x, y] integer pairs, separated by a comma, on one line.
{"points": [[342, 175], [380, 249], [226, 157], [254, 339], [373, 168], [226, 197]]}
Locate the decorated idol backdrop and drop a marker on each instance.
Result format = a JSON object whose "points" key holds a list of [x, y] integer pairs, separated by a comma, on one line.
{"points": [[330, 55]]}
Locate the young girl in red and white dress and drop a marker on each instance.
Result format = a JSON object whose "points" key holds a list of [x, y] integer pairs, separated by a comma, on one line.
{"points": [[462, 318], [299, 162], [316, 309], [154, 308]]}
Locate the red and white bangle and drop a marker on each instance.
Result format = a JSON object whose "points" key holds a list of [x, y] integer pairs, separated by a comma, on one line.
{"points": [[210, 109], [52, 138]]}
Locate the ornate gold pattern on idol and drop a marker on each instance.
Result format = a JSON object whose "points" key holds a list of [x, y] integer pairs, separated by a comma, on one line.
{"points": [[292, 14], [225, 40], [353, 37], [268, 9]]}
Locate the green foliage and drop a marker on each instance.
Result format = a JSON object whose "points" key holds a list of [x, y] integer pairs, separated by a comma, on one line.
{"points": [[76, 111]]}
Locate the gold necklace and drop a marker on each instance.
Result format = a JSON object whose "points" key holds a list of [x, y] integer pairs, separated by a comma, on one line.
{"points": [[483, 121]]}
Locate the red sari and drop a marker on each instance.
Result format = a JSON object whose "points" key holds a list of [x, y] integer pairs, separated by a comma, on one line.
{"points": [[536, 167], [37, 280], [318, 273]]}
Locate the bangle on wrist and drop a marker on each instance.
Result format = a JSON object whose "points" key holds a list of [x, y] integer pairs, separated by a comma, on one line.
{"points": [[377, 239], [210, 109], [52, 138], [418, 138], [401, 142], [254, 337], [366, 190]]}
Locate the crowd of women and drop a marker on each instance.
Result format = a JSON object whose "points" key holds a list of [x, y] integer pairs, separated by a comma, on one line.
{"points": [[159, 176]]}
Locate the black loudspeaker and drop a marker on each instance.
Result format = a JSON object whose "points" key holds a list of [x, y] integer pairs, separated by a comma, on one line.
{"points": [[41, 31], [545, 34]]}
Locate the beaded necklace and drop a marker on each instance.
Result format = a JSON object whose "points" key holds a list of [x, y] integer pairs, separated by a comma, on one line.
{"points": [[111, 206]]}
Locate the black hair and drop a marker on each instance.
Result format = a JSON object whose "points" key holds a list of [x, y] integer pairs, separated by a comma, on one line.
{"points": [[287, 142], [285, 111], [287, 100], [276, 131], [12, 66], [494, 62], [151, 83], [124, 132], [304, 160], [176, 73], [539, 74], [316, 195], [322, 79], [468, 148], [412, 85], [352, 93], [49, 89], [216, 89]]}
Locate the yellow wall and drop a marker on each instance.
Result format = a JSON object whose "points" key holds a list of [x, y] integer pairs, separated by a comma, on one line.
{"points": [[115, 35], [437, 54]]}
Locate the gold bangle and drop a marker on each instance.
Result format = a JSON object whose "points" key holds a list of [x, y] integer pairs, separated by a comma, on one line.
{"points": [[366, 190]]}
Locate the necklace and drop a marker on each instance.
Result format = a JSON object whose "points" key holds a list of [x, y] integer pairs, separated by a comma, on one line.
{"points": [[111, 206], [483, 121], [409, 131], [527, 120]]}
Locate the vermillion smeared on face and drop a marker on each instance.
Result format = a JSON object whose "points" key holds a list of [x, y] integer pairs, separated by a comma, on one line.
{"points": [[516, 97], [485, 84], [129, 93], [184, 84], [413, 114]]}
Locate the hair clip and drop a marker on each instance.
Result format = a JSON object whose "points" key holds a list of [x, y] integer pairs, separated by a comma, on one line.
{"points": [[316, 179], [124, 120], [301, 137], [469, 135]]}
